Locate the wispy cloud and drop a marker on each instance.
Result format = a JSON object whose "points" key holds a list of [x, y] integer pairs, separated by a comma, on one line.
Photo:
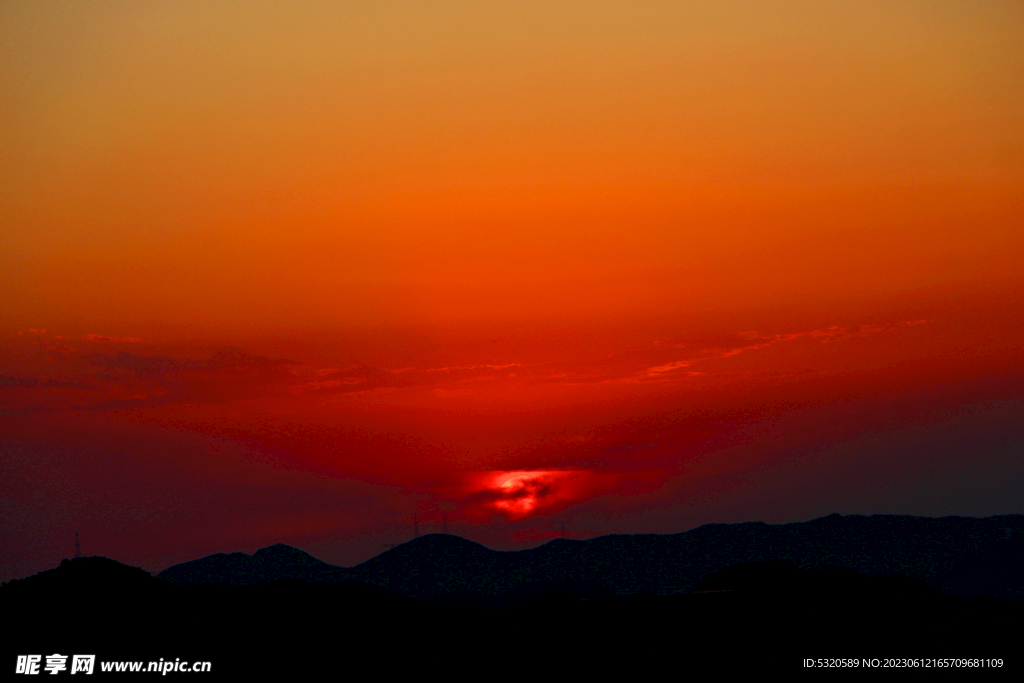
{"points": [[125, 379], [752, 341], [667, 367]]}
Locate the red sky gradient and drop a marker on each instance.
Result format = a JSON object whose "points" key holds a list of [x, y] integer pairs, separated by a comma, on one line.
{"points": [[297, 272]]}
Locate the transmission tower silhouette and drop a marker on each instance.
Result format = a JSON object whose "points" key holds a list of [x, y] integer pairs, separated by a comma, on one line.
{"points": [[78, 547]]}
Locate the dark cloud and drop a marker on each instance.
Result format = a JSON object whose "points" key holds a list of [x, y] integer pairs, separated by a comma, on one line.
{"points": [[146, 366], [104, 338], [29, 382]]}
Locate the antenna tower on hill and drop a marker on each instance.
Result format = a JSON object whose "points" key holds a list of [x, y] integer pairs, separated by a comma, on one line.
{"points": [[78, 547]]}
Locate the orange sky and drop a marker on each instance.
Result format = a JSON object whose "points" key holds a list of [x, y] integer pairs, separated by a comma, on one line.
{"points": [[643, 251], [214, 165]]}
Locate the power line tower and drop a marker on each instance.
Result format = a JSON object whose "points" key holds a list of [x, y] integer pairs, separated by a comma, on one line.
{"points": [[415, 526], [445, 515], [78, 547]]}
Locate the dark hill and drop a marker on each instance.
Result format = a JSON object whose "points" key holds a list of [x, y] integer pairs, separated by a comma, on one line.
{"points": [[996, 569], [843, 611], [273, 563], [754, 618], [436, 566], [97, 578], [961, 556], [832, 591], [748, 619]]}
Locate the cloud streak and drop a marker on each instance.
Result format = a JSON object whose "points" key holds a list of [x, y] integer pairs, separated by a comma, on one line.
{"points": [[124, 379], [104, 338], [755, 341]]}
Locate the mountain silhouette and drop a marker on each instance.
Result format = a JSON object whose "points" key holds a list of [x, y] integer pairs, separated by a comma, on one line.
{"points": [[272, 563], [824, 595], [962, 556], [996, 569], [96, 579], [636, 604], [754, 618]]}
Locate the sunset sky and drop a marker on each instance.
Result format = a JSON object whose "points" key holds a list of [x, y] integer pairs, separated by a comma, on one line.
{"points": [[297, 271]]}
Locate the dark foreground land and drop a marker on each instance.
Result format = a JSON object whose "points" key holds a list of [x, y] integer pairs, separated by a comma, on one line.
{"points": [[759, 617]]}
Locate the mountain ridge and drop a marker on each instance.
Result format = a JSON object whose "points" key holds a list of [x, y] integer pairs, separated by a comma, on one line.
{"points": [[750, 616], [948, 553]]}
